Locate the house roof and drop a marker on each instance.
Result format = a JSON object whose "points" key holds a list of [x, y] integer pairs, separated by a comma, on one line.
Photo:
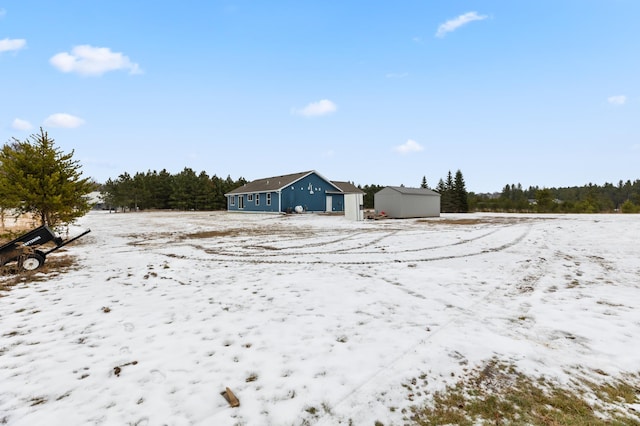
{"points": [[274, 183], [347, 187], [413, 191]]}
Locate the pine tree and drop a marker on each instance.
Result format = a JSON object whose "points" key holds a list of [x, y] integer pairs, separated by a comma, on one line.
{"points": [[38, 178], [445, 196], [544, 200], [447, 199], [461, 205], [424, 183], [184, 190]]}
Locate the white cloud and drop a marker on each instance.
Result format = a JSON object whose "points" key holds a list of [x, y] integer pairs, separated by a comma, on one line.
{"points": [[2, 13], [20, 124], [617, 100], [455, 23], [12, 44], [316, 109], [89, 60], [63, 120], [409, 146]]}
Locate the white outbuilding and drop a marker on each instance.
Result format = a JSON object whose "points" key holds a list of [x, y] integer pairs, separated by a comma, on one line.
{"points": [[400, 202], [353, 200]]}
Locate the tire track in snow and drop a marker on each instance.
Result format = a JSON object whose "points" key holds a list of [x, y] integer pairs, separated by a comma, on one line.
{"points": [[277, 250], [236, 258], [347, 249], [318, 244]]}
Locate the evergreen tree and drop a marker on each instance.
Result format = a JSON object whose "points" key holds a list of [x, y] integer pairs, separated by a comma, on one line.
{"points": [[219, 200], [448, 184], [460, 203], [108, 193], [204, 192], [445, 196], [125, 194], [424, 183], [369, 195], [447, 200], [160, 184], [506, 193], [544, 200], [184, 190], [142, 191], [38, 178]]}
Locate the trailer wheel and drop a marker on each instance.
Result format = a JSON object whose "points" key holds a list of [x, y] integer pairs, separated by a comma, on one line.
{"points": [[31, 262]]}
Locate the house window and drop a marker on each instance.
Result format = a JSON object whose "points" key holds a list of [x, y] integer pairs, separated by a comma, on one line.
{"points": [[241, 201], [268, 198], [233, 200], [257, 199], [250, 197]]}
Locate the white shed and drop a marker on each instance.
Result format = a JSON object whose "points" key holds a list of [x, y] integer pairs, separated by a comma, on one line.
{"points": [[353, 200], [354, 206], [400, 202]]}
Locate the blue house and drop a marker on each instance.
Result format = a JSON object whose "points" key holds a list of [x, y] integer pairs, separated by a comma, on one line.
{"points": [[305, 191]]}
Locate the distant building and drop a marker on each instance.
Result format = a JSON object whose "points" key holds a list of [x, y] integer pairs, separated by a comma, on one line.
{"points": [[400, 202], [297, 192], [95, 198]]}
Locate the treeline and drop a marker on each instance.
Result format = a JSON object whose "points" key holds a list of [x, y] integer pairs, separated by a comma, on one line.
{"points": [[623, 197], [189, 190], [162, 190]]}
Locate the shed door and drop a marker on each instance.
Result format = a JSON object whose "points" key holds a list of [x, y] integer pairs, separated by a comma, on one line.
{"points": [[329, 203]]}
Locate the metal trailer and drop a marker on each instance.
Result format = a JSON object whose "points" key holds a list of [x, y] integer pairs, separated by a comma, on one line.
{"points": [[23, 249]]}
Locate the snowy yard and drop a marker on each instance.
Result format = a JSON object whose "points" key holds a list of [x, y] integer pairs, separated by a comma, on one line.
{"points": [[311, 319]]}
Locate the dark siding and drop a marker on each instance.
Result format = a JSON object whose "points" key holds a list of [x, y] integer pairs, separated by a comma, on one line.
{"points": [[310, 193], [250, 206], [337, 202]]}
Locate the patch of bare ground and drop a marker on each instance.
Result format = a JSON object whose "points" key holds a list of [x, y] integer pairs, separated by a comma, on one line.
{"points": [[481, 220], [143, 239], [54, 266], [247, 232], [498, 394]]}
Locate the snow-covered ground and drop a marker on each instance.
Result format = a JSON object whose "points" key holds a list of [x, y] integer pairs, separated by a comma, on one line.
{"points": [[311, 319]]}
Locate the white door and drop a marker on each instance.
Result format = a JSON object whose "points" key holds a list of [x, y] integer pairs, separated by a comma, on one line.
{"points": [[329, 203]]}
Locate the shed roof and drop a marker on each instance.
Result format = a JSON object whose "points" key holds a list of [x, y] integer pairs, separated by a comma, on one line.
{"points": [[274, 183], [414, 191]]}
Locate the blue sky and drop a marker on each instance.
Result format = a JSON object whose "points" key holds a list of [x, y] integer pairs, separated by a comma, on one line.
{"points": [[542, 93]]}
